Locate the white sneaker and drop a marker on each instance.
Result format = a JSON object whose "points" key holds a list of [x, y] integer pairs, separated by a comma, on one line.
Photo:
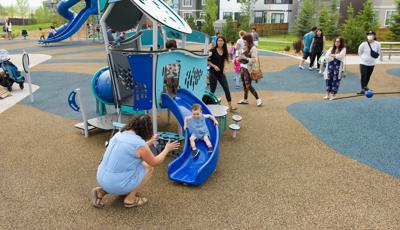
{"points": [[258, 102], [320, 72], [310, 68], [301, 67], [243, 101]]}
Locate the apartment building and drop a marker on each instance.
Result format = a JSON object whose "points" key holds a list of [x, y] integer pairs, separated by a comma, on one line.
{"points": [[191, 8], [280, 11], [265, 11], [383, 10]]}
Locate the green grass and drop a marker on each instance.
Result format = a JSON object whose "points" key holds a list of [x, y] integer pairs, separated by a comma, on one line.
{"points": [[280, 37], [274, 46], [280, 46], [17, 29]]}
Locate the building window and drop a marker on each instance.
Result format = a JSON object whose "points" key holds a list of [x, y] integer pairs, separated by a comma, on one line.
{"points": [[388, 16], [238, 1], [227, 15], [278, 1], [236, 16], [187, 15], [277, 17], [203, 15], [187, 2], [258, 17], [203, 2]]}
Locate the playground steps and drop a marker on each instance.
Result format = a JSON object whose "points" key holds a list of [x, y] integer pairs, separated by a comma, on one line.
{"points": [[80, 126], [4, 92]]}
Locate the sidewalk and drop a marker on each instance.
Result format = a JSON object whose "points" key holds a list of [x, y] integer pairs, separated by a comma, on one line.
{"points": [[351, 59]]}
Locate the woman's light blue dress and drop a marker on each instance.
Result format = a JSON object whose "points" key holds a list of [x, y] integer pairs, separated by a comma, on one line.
{"points": [[120, 170]]}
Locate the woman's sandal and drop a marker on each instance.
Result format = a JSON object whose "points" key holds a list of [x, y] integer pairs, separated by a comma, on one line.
{"points": [[232, 109], [138, 202], [96, 200]]}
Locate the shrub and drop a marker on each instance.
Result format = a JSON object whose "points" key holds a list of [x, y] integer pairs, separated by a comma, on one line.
{"points": [[287, 48], [298, 45]]}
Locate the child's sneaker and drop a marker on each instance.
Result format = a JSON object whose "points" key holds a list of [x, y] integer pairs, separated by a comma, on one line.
{"points": [[210, 150], [195, 153], [301, 67]]}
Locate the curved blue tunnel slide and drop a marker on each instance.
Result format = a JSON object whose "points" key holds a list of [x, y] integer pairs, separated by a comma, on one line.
{"points": [[185, 169], [75, 20]]}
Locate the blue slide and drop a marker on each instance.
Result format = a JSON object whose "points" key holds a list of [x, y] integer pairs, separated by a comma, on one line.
{"points": [[185, 169], [75, 20]]}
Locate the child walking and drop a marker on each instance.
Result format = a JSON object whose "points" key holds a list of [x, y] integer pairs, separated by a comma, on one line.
{"points": [[236, 67], [196, 123], [42, 34]]}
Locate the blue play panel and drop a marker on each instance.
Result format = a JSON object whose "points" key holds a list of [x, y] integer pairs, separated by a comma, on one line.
{"points": [[292, 79], [366, 130], [394, 72]]}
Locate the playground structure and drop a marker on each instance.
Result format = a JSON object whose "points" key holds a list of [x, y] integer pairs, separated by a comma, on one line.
{"points": [[135, 79], [75, 21]]}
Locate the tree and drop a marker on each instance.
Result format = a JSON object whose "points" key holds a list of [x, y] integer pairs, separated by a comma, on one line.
{"points": [[11, 11], [394, 26], [304, 20], [211, 10], [190, 22], [247, 11], [43, 14], [324, 21], [2, 11], [332, 29], [229, 30], [367, 17], [352, 33], [23, 8]]}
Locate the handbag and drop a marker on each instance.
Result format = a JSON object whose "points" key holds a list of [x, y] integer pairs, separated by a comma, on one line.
{"points": [[373, 53], [256, 74]]}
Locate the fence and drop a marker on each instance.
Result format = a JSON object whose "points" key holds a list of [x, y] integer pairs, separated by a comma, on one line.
{"points": [[271, 29], [19, 21]]}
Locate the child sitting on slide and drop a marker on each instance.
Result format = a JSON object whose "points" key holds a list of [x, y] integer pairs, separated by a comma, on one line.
{"points": [[196, 123]]}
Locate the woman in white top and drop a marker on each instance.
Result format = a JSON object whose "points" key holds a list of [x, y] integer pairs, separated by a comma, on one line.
{"points": [[9, 30], [335, 64], [368, 62]]}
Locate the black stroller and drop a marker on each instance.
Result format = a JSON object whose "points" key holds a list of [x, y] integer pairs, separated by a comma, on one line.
{"points": [[9, 72]]}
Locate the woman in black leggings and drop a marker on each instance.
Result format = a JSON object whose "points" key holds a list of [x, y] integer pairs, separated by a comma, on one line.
{"points": [[217, 60], [317, 48]]}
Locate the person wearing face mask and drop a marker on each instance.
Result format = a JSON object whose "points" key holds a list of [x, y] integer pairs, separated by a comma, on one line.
{"points": [[369, 52]]}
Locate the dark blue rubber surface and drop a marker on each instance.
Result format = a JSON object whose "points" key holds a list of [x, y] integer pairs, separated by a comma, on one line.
{"points": [[394, 72], [54, 90], [366, 130], [293, 79]]}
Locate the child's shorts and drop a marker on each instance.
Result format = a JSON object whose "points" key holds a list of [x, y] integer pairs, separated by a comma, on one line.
{"points": [[198, 138]]}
